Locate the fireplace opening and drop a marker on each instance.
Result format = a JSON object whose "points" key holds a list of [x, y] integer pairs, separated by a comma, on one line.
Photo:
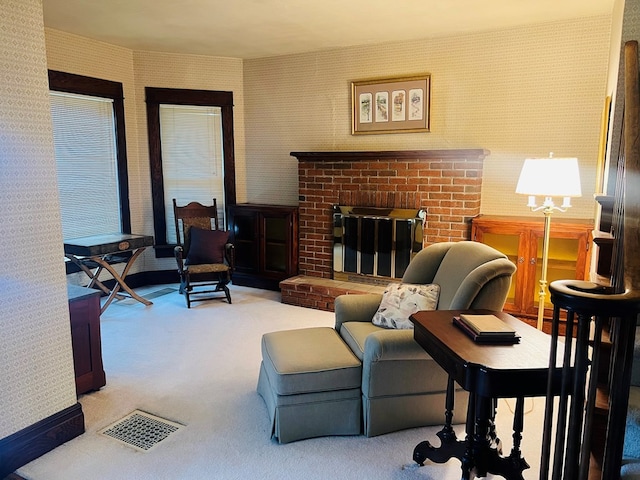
{"points": [[374, 244]]}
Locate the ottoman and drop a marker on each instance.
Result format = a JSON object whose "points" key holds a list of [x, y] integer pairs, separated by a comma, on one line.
{"points": [[310, 382]]}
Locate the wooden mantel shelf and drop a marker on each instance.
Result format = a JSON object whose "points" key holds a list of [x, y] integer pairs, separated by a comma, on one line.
{"points": [[477, 153]]}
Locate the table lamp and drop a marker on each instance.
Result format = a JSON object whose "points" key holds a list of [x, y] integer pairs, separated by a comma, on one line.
{"points": [[548, 178]]}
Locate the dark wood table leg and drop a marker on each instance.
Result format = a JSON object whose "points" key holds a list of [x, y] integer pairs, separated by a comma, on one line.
{"points": [[468, 456], [510, 467], [494, 441], [450, 446], [483, 452], [120, 280], [93, 276]]}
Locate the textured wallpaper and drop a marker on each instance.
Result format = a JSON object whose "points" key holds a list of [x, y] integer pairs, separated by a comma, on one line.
{"points": [[519, 92], [36, 364], [137, 70]]}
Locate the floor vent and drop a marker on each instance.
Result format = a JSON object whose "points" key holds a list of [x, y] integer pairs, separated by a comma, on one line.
{"points": [[140, 430], [159, 293]]}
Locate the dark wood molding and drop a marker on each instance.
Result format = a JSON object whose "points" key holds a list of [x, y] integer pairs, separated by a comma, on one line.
{"points": [[34, 441], [98, 87], [79, 84], [474, 154], [181, 96], [154, 97]]}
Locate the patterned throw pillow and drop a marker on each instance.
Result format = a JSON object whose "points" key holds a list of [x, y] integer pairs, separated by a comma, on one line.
{"points": [[400, 300]]}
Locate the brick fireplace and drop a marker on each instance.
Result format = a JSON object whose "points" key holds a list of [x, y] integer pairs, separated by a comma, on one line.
{"points": [[444, 183]]}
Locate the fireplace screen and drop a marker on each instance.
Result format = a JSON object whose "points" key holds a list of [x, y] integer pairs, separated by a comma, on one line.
{"points": [[374, 243]]}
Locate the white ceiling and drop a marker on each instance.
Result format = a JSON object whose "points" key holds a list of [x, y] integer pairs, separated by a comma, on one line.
{"points": [[264, 28]]}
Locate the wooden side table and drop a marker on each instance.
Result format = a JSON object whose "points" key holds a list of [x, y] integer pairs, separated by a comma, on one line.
{"points": [[99, 251], [487, 372]]}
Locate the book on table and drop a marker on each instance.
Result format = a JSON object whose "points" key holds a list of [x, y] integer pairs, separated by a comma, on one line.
{"points": [[486, 328], [487, 325]]}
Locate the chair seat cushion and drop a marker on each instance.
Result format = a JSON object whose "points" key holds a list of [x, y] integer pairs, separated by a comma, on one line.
{"points": [[309, 360], [206, 246], [398, 344], [355, 334], [208, 268]]}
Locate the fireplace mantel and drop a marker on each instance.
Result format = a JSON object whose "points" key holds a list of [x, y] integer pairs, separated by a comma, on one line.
{"points": [[391, 154]]}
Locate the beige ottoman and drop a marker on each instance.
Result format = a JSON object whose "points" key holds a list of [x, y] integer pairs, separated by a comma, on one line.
{"points": [[310, 381]]}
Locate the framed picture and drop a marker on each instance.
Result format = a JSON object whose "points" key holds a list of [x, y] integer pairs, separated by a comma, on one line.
{"points": [[602, 149], [391, 105]]}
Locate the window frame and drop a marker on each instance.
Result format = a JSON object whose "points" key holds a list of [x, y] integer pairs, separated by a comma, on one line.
{"points": [[154, 97], [97, 87]]}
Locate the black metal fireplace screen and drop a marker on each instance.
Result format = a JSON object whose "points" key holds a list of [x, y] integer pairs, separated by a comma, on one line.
{"points": [[374, 244]]}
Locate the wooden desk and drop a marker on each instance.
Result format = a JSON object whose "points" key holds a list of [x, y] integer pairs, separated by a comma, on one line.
{"points": [[487, 372], [100, 252]]}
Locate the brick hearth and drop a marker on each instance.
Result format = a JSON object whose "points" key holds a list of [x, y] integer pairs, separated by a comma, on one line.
{"points": [[319, 293], [445, 183]]}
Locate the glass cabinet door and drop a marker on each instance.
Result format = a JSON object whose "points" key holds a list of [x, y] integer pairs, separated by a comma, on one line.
{"points": [[509, 244], [563, 261], [275, 244], [245, 236]]}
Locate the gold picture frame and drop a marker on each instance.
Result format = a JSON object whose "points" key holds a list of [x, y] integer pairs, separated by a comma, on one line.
{"points": [[602, 147], [391, 105]]}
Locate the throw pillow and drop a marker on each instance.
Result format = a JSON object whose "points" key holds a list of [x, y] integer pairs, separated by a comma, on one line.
{"points": [[206, 246], [400, 300]]}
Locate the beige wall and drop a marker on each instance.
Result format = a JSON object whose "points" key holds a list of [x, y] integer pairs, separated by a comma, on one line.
{"points": [[137, 70], [36, 365], [519, 93]]}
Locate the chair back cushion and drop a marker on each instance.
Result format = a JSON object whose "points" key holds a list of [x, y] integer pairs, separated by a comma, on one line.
{"points": [[470, 274], [206, 246]]}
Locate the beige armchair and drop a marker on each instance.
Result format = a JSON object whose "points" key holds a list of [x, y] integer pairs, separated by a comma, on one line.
{"points": [[402, 386]]}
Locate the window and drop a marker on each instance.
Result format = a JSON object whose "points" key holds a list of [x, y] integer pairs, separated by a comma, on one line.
{"points": [[192, 158], [88, 130], [84, 132], [191, 154]]}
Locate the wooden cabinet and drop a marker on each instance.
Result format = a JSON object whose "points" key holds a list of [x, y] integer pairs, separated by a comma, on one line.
{"points": [[266, 244], [84, 312], [520, 238]]}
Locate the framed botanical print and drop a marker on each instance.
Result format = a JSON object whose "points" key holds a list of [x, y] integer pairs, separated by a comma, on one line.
{"points": [[391, 105]]}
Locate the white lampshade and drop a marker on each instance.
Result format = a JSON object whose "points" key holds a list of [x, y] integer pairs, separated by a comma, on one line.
{"points": [[550, 177]]}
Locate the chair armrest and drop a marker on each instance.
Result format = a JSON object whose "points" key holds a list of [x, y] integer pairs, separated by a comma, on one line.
{"points": [[393, 364], [356, 308], [230, 255], [392, 344], [178, 252]]}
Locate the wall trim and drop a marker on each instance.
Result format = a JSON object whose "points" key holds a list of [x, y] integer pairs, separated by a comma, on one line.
{"points": [[31, 442], [473, 153]]}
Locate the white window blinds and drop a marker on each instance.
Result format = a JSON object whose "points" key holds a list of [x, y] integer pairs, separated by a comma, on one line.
{"points": [[192, 158], [85, 150]]}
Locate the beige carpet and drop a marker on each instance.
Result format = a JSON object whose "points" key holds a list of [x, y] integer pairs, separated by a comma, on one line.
{"points": [[199, 368]]}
